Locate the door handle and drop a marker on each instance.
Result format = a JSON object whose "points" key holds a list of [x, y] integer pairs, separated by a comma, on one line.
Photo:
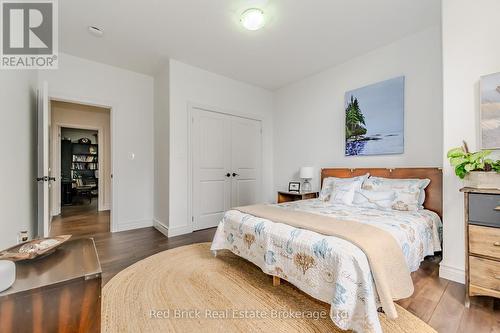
{"points": [[497, 208], [235, 174], [228, 175], [45, 179]]}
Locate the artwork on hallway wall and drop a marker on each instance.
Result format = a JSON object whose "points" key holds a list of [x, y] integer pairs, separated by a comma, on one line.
{"points": [[374, 119], [490, 111]]}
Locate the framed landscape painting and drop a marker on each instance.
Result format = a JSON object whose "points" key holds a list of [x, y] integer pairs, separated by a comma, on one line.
{"points": [[374, 119], [490, 111]]}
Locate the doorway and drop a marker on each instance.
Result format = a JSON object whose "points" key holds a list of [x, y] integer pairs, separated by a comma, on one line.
{"points": [[226, 165], [80, 163]]}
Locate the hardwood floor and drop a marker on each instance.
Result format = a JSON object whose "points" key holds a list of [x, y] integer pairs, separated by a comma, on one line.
{"points": [[440, 303], [80, 220], [437, 301], [121, 249]]}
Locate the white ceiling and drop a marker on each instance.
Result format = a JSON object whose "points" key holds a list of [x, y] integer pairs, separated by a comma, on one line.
{"points": [[302, 37]]}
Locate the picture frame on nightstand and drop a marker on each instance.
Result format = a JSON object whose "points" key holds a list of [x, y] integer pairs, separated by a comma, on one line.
{"points": [[294, 187]]}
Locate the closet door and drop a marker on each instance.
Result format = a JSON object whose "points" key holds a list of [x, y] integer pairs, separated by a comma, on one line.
{"points": [[226, 163], [211, 161], [246, 160]]}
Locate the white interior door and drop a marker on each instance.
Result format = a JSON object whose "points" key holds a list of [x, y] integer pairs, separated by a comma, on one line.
{"points": [[246, 147], [226, 162], [43, 118], [211, 167]]}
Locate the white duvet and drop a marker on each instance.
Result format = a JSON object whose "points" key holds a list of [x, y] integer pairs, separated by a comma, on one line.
{"points": [[329, 268]]}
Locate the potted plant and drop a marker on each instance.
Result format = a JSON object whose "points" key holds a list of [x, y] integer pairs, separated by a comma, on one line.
{"points": [[475, 168]]}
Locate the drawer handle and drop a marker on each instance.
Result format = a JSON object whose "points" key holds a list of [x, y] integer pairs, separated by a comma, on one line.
{"points": [[497, 208], [497, 277], [496, 244]]}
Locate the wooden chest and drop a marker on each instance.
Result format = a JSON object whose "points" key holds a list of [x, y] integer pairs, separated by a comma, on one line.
{"points": [[58, 293]]}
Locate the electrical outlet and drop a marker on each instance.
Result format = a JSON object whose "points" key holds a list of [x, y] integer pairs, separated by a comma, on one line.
{"points": [[22, 236]]}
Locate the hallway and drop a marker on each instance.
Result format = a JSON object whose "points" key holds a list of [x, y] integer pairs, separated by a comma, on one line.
{"points": [[81, 221]]}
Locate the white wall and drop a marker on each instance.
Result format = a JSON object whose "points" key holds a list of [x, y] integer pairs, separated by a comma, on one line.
{"points": [[131, 97], [18, 147], [471, 49], [161, 148], [309, 114], [192, 85]]}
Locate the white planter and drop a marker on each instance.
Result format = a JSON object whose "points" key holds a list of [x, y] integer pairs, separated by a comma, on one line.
{"points": [[7, 274], [482, 179]]}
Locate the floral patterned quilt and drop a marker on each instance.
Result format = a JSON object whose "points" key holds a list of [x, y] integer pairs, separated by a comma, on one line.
{"points": [[329, 268]]}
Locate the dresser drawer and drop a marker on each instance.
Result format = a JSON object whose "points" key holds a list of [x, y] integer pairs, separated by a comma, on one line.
{"points": [[484, 209], [484, 273], [484, 241]]}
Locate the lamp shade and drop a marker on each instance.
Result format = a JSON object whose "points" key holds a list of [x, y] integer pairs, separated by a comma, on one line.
{"points": [[307, 173]]}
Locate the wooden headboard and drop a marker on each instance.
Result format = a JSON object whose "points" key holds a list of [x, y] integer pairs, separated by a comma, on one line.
{"points": [[433, 192]]}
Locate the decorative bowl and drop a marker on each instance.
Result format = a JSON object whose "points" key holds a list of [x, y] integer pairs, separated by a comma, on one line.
{"points": [[33, 249]]}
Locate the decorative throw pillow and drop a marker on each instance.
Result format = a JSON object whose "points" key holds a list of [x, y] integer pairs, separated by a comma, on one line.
{"points": [[343, 191], [374, 199], [406, 201], [410, 193], [328, 183]]}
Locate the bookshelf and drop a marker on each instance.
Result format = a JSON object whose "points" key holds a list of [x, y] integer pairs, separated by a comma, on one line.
{"points": [[84, 163]]}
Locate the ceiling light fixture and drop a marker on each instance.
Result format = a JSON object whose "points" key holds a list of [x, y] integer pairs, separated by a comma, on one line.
{"points": [[253, 19], [98, 32]]}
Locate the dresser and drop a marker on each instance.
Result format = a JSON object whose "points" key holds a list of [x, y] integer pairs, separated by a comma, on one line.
{"points": [[58, 293], [482, 242], [284, 196]]}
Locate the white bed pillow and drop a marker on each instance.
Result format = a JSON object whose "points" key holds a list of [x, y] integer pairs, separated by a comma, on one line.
{"points": [[343, 191], [410, 193], [327, 188], [374, 199]]}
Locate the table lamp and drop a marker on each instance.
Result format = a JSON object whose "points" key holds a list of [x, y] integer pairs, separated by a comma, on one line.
{"points": [[307, 173]]}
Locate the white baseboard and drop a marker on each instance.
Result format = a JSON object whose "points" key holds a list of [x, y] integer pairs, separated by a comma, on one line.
{"points": [[161, 227], [105, 207], [452, 273], [177, 231], [169, 231], [123, 226], [56, 212]]}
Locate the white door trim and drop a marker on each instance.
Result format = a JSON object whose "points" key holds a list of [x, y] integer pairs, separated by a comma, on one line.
{"points": [[43, 160], [55, 96], [190, 112]]}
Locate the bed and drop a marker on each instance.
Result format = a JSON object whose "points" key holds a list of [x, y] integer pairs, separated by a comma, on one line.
{"points": [[330, 268]]}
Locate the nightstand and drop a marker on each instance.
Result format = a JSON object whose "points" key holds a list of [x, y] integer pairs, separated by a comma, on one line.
{"points": [[482, 243], [285, 196]]}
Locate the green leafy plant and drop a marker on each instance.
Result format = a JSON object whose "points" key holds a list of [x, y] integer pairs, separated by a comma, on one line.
{"points": [[464, 162]]}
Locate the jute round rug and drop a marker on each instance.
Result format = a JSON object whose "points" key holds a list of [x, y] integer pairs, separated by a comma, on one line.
{"points": [[186, 289]]}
